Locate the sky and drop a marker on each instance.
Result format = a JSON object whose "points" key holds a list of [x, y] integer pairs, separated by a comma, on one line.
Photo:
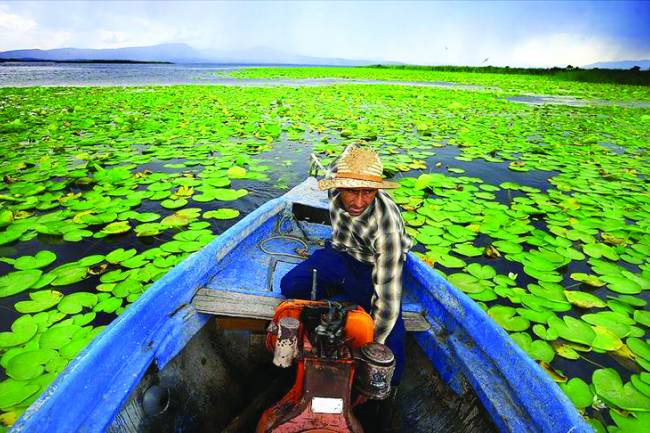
{"points": [[500, 33]]}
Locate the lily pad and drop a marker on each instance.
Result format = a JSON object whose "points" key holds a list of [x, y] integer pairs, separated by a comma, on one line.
{"points": [[222, 214], [506, 317], [75, 302], [13, 392], [639, 347], [22, 330], [609, 387], [228, 194], [29, 364], [583, 300], [578, 391], [18, 281], [40, 260], [40, 301], [120, 254], [572, 329]]}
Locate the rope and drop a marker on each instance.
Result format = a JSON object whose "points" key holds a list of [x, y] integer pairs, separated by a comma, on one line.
{"points": [[278, 253]]}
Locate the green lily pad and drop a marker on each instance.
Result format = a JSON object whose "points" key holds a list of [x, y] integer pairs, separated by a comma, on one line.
{"points": [[58, 336], [591, 280], [578, 391], [642, 317], [605, 339], [222, 214], [228, 194], [40, 301], [18, 281], [614, 322], [609, 387], [13, 392], [149, 229], [173, 204], [40, 260], [506, 317], [621, 284], [640, 385], [66, 275], [120, 254], [22, 330], [583, 300], [116, 228], [635, 422], [236, 172], [572, 329], [109, 305], [29, 364], [639, 347], [484, 272], [468, 250], [75, 302], [465, 282]]}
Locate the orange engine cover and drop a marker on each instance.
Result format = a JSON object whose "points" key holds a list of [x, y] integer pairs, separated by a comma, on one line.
{"points": [[359, 327], [319, 400]]}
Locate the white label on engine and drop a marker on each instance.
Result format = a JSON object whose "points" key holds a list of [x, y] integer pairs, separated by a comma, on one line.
{"points": [[326, 405]]}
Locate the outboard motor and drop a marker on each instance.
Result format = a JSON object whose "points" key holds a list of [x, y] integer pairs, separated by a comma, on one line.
{"points": [[331, 343]]}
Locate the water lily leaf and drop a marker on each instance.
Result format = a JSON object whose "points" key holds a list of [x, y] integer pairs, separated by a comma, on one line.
{"points": [[40, 301], [468, 250], [605, 339], [69, 274], [465, 282], [120, 254], [572, 329], [75, 302], [578, 391], [614, 322], [149, 229], [484, 272], [543, 333], [236, 172], [228, 194], [565, 351], [22, 330], [13, 392], [222, 214], [640, 385], [8, 237], [173, 204], [633, 423], [642, 317], [609, 387], [583, 300], [639, 347], [18, 281], [58, 336], [176, 220], [29, 364], [109, 305], [117, 227], [591, 280], [506, 317], [40, 260]]}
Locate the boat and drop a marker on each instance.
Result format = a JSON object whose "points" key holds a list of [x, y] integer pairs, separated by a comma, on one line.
{"points": [[188, 355]]}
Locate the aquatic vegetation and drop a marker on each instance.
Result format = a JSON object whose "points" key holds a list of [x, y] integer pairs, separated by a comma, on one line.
{"points": [[540, 213]]}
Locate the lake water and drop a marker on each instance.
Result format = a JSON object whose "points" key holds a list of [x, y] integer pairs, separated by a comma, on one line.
{"points": [[28, 74]]}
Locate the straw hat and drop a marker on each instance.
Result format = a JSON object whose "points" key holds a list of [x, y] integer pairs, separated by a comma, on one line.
{"points": [[358, 168]]}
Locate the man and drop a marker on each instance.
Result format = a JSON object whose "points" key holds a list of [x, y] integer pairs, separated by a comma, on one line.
{"points": [[365, 257]]}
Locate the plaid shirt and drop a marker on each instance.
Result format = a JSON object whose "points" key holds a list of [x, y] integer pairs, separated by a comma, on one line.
{"points": [[376, 237]]}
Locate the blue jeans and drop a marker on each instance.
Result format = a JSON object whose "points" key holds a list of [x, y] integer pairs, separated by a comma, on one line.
{"points": [[343, 278]]}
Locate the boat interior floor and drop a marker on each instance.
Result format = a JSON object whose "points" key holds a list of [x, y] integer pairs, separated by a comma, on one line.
{"points": [[224, 379]]}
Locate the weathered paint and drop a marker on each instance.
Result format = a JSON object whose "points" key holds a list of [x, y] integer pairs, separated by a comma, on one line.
{"points": [[464, 344]]}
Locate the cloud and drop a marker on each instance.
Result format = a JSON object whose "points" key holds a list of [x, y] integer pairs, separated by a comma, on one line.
{"points": [[14, 22], [563, 49]]}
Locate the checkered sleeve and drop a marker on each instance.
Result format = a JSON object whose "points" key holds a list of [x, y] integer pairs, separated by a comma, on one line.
{"points": [[387, 281]]}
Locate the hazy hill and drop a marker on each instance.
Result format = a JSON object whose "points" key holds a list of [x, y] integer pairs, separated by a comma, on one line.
{"points": [[181, 53], [621, 64]]}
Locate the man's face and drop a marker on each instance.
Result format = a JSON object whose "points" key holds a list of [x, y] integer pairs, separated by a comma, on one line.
{"points": [[357, 200]]}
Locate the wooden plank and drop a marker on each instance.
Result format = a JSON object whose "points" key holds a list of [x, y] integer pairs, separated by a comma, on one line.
{"points": [[244, 305]]}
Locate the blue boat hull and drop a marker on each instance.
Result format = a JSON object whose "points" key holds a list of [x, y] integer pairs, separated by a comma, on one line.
{"points": [[466, 348]]}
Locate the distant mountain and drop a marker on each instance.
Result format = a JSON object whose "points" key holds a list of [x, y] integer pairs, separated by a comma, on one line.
{"points": [[182, 53], [621, 64]]}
